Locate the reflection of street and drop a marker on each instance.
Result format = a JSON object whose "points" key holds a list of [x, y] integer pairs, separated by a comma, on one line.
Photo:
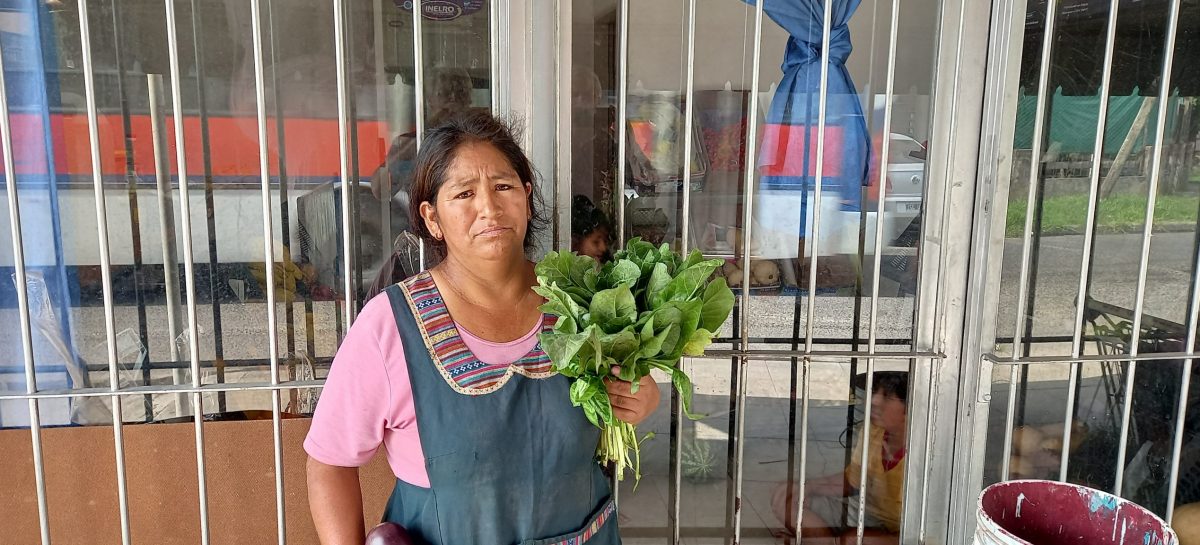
{"points": [[1114, 278]]}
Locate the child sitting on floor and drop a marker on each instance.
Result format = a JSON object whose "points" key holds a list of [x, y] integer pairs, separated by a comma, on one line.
{"points": [[828, 497]]}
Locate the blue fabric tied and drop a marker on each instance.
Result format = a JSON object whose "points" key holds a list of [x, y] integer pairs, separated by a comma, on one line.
{"points": [[787, 160]]}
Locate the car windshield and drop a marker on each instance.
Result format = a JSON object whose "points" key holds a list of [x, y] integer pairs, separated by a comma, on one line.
{"points": [[901, 150]]}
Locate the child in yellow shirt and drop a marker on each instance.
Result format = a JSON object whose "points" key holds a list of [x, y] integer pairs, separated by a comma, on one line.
{"points": [[826, 497]]}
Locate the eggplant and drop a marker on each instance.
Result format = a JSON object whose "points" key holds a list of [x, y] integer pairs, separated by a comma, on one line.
{"points": [[389, 533]]}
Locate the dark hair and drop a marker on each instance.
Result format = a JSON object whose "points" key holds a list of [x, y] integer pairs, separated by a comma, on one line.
{"points": [[892, 383], [440, 147], [586, 218]]}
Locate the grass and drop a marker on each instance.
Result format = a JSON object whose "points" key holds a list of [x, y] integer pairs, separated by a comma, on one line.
{"points": [[1067, 214]]}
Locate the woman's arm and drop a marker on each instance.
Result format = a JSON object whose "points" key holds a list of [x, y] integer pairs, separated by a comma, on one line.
{"points": [[335, 498]]}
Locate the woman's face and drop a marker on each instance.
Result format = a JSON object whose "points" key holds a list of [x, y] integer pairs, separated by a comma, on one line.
{"points": [[482, 209]]}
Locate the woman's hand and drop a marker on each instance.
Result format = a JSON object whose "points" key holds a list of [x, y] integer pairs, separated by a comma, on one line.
{"points": [[629, 406]]}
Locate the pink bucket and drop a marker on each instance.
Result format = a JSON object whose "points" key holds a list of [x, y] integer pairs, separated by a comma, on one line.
{"points": [[1053, 513]]}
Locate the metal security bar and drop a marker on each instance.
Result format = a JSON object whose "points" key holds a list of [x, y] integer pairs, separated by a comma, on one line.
{"points": [[746, 348], [744, 306], [188, 261], [18, 244], [339, 36], [105, 270], [1147, 231], [743, 352], [676, 470], [1127, 355], [269, 257]]}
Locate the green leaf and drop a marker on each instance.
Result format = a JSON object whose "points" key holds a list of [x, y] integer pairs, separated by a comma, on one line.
{"points": [[622, 272], [582, 296], [614, 309], [660, 278], [556, 268], [683, 385], [580, 265], [581, 392], [686, 317], [591, 279], [687, 283], [696, 344], [666, 316], [693, 259], [590, 353], [718, 303], [604, 409], [558, 302], [605, 368], [562, 348], [652, 344], [629, 370], [592, 414], [620, 345], [566, 325]]}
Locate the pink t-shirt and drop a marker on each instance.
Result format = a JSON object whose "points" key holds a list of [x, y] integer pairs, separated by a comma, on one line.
{"points": [[367, 400]]}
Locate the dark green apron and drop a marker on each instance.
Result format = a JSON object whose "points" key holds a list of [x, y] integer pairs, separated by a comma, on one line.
{"points": [[512, 466]]}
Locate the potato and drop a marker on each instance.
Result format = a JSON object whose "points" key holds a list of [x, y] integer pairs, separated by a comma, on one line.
{"points": [[734, 279], [1079, 432], [764, 273], [1052, 429], [1052, 444], [1026, 440], [1020, 467], [1186, 524]]}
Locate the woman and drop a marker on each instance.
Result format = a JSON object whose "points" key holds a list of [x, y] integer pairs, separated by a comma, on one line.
{"points": [[446, 373]]}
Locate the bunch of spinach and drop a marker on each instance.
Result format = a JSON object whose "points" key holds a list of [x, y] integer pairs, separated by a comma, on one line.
{"points": [[643, 310]]}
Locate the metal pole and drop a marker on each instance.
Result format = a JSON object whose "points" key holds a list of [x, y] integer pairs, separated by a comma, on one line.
{"points": [[1088, 239], [131, 183], [1164, 95], [822, 103], [18, 244], [284, 205], [619, 124], [264, 165], [339, 37], [216, 279], [688, 125], [879, 217], [494, 53], [1039, 131], [676, 484], [1184, 389], [805, 392], [166, 226], [748, 187], [747, 234], [739, 450], [110, 332], [419, 91], [188, 265]]}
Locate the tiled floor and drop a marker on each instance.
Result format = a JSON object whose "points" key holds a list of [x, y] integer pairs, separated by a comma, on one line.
{"points": [[703, 503]]}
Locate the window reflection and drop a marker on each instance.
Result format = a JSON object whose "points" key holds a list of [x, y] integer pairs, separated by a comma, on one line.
{"points": [[44, 70]]}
